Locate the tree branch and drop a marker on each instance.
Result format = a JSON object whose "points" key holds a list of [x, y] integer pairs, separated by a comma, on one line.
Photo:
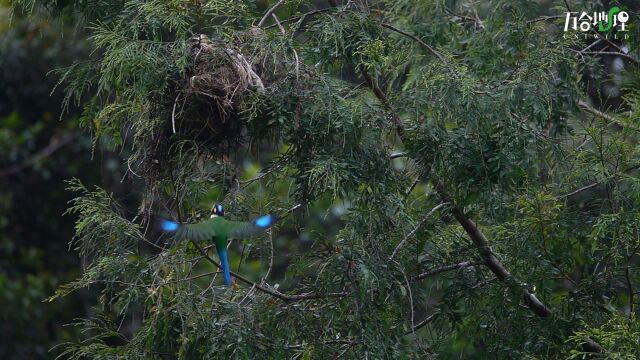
{"points": [[54, 145], [594, 184], [587, 108], [421, 324], [268, 290], [544, 18], [442, 269], [424, 44], [491, 260], [608, 53], [577, 191], [269, 12], [385, 102], [301, 17], [476, 235], [413, 232]]}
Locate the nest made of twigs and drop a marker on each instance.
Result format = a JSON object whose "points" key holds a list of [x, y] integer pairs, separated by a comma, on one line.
{"points": [[220, 72], [206, 104]]}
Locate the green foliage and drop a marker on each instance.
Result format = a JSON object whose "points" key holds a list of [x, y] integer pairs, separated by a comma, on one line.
{"points": [[486, 113], [37, 153], [619, 335]]}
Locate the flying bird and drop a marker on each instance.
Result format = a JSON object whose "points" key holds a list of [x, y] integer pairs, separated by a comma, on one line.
{"points": [[219, 229]]}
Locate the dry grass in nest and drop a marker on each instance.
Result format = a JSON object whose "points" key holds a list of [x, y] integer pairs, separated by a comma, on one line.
{"points": [[203, 110], [206, 108], [220, 73]]}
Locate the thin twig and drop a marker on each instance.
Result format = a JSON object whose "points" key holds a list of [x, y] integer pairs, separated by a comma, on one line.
{"points": [[574, 192], [268, 290], [610, 53], [275, 18], [327, 342], [421, 324], [54, 145], [289, 211], [594, 184], [407, 285], [627, 277], [260, 176], [583, 105], [413, 232], [385, 102], [295, 53], [300, 17], [173, 114], [442, 269], [266, 276], [269, 12], [175, 281], [398, 155], [424, 44], [544, 18]]}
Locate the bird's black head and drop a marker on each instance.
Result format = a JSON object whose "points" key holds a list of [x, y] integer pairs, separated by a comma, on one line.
{"points": [[217, 210]]}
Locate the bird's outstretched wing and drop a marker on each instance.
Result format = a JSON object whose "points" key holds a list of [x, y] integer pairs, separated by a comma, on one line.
{"points": [[244, 229], [203, 230]]}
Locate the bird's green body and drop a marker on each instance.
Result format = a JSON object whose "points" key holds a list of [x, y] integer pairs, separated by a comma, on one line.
{"points": [[219, 229]]}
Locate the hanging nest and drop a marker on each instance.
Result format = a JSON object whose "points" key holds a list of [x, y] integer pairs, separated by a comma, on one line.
{"points": [[216, 83], [203, 111], [220, 72]]}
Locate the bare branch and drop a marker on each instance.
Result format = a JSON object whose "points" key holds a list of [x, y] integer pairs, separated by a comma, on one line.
{"points": [[544, 18], [54, 145], [413, 232], [421, 324], [594, 184], [397, 155], [300, 17], [173, 114], [424, 44], [267, 290], [492, 262], [269, 12], [587, 108], [385, 102], [442, 269], [575, 192], [608, 53]]}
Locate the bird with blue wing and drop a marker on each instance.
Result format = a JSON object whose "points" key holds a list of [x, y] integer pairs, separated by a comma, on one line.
{"points": [[219, 229]]}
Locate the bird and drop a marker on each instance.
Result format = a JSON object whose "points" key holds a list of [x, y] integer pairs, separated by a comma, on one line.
{"points": [[219, 229]]}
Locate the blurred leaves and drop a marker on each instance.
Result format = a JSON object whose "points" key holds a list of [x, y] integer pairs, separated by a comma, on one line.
{"points": [[489, 103]]}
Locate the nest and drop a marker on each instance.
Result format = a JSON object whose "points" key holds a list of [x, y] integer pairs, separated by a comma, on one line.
{"points": [[220, 72], [206, 107], [203, 110]]}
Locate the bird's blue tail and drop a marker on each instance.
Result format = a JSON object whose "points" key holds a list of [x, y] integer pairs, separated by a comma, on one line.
{"points": [[224, 260]]}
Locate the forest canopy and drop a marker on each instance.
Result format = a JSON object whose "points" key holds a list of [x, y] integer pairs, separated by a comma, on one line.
{"points": [[454, 179]]}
